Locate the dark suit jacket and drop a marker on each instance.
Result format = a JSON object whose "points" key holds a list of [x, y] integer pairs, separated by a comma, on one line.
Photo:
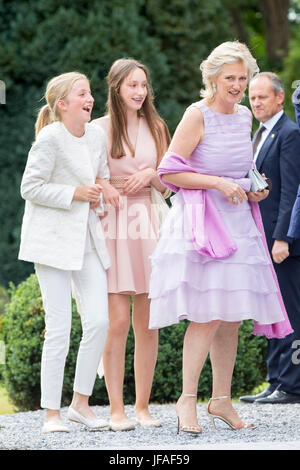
{"points": [[294, 230], [296, 103], [279, 160]]}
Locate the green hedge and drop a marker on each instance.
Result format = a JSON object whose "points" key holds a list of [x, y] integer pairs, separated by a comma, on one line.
{"points": [[4, 299], [23, 332]]}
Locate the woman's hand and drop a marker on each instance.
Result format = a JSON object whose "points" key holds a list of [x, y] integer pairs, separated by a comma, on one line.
{"points": [[138, 181], [88, 193], [231, 191], [258, 196]]}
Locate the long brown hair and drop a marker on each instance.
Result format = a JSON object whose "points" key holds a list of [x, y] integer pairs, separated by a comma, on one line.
{"points": [[119, 70]]}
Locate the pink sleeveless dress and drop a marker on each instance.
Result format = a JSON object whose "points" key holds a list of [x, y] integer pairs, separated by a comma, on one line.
{"points": [[131, 233], [188, 285]]}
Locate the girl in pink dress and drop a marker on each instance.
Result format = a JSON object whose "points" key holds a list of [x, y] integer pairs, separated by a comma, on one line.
{"points": [[137, 138]]}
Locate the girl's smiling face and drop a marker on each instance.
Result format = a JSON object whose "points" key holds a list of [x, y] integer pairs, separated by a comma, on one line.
{"points": [[133, 89], [78, 103]]}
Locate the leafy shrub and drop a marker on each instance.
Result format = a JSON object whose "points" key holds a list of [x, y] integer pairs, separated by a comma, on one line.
{"points": [[23, 332], [4, 299]]}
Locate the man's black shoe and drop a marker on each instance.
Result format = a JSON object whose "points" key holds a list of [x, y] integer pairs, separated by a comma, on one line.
{"points": [[252, 398], [279, 397]]}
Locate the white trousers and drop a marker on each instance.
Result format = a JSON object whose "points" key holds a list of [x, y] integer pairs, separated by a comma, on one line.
{"points": [[91, 286]]}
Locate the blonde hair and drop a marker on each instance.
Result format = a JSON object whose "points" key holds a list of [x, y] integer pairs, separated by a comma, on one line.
{"points": [[119, 70], [57, 89], [226, 53]]}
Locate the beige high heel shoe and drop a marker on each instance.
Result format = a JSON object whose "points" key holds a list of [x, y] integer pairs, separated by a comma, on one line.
{"points": [[188, 429], [225, 420]]}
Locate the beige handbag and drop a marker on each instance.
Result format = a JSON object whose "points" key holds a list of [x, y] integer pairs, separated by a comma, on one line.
{"points": [[159, 206]]}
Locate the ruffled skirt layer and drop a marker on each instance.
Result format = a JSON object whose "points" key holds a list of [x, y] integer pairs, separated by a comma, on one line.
{"points": [[187, 285]]}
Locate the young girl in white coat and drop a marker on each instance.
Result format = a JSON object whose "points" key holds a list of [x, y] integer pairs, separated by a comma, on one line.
{"points": [[62, 236]]}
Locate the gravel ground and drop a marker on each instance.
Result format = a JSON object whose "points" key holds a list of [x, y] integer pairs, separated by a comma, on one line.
{"points": [[278, 427]]}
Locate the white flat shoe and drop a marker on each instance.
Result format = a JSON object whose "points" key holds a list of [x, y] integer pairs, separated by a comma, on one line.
{"points": [[54, 426], [125, 425], [93, 424], [149, 422]]}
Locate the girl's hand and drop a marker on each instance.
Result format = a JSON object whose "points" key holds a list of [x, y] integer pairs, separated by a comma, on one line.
{"points": [[94, 205], [139, 180], [258, 196], [231, 191], [88, 193], [112, 196]]}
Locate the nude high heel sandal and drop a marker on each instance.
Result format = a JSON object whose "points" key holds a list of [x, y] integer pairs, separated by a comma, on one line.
{"points": [[214, 417], [188, 429]]}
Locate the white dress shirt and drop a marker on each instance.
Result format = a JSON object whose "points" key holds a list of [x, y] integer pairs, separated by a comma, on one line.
{"points": [[268, 127]]}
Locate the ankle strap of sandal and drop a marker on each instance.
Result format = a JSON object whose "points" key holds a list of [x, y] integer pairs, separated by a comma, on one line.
{"points": [[189, 394], [220, 398]]}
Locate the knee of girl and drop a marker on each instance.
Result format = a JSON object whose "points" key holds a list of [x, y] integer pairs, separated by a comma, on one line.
{"points": [[120, 327], [57, 336], [56, 345], [96, 326]]}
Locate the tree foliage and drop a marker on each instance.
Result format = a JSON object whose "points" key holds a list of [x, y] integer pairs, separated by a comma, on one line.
{"points": [[43, 38]]}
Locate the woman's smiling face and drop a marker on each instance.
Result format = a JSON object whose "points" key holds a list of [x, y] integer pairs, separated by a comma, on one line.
{"points": [[231, 82]]}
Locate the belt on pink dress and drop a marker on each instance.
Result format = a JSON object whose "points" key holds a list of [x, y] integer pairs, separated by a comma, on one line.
{"points": [[119, 181]]}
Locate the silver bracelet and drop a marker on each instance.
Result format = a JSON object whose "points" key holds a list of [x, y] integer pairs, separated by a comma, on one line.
{"points": [[167, 193]]}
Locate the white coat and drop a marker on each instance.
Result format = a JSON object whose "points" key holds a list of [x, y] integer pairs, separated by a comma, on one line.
{"points": [[54, 227]]}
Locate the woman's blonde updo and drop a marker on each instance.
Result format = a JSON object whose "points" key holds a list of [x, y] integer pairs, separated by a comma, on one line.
{"points": [[57, 89], [225, 53]]}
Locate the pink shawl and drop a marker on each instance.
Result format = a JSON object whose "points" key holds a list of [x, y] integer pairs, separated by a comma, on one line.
{"points": [[211, 236]]}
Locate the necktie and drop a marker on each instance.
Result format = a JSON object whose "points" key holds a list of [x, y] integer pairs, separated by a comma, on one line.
{"points": [[257, 138]]}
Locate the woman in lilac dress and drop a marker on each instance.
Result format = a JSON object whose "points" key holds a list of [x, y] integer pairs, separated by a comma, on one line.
{"points": [[211, 150]]}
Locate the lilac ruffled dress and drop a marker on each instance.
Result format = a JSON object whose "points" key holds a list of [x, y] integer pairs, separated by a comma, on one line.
{"points": [[185, 284]]}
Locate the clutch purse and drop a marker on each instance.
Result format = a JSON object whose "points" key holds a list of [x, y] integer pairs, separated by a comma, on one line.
{"points": [[258, 182], [159, 205]]}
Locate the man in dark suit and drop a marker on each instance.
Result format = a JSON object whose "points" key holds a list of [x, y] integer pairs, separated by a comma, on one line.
{"points": [[296, 103], [294, 229], [277, 155]]}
